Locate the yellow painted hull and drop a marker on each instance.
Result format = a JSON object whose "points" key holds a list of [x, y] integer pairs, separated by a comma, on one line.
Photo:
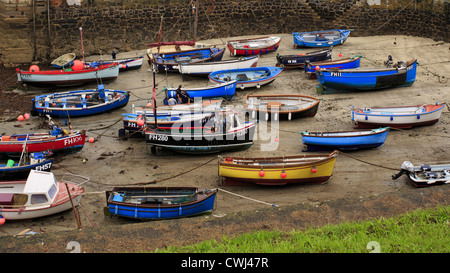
{"points": [[267, 174]]}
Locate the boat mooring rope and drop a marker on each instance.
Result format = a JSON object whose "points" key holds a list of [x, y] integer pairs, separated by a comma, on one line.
{"points": [[245, 197]]}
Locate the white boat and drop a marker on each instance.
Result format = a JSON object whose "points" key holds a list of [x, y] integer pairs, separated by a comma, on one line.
{"points": [[401, 117], [424, 175], [208, 67], [38, 196], [68, 77], [124, 64], [65, 60]]}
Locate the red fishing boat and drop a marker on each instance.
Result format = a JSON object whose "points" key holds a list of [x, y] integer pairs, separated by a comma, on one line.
{"points": [[253, 46], [57, 140]]}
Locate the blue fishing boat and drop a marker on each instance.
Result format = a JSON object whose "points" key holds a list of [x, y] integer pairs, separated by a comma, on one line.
{"points": [[170, 61], [155, 203], [347, 63], [223, 90], [345, 140], [323, 38], [13, 170], [79, 103], [363, 79], [247, 77], [124, 64]]}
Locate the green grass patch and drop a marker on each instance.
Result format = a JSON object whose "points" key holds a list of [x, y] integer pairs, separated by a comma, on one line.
{"points": [[420, 231]]}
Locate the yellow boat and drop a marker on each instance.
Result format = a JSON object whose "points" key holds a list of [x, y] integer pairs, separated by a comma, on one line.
{"points": [[301, 169]]}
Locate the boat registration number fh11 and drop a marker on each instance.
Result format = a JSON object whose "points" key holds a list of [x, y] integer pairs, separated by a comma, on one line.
{"points": [[335, 74]]}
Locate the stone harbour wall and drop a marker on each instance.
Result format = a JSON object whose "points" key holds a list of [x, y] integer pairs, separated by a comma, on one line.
{"points": [[41, 30]]}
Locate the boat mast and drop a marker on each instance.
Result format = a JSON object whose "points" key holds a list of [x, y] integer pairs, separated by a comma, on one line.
{"points": [[196, 20]]}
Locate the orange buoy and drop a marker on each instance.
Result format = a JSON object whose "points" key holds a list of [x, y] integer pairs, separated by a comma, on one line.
{"points": [[34, 68], [262, 173], [77, 65], [2, 220], [317, 68], [314, 169], [340, 55], [91, 140], [20, 118], [283, 174], [26, 116]]}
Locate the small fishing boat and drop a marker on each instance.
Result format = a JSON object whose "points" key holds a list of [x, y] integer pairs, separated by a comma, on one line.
{"points": [[38, 196], [344, 140], [223, 90], [125, 64], [425, 175], [247, 77], [402, 117], [207, 67], [287, 107], [76, 75], [80, 103], [57, 141], [364, 79], [155, 203], [253, 46], [21, 169], [196, 114], [299, 60], [226, 132], [65, 60], [347, 63], [277, 171], [170, 61], [321, 38]]}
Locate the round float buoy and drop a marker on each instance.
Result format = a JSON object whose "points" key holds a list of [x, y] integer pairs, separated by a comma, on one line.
{"points": [[34, 68], [317, 68], [2, 220], [91, 140], [140, 122], [26, 116], [314, 169], [77, 65], [283, 174], [340, 55], [276, 139], [20, 118], [262, 173]]}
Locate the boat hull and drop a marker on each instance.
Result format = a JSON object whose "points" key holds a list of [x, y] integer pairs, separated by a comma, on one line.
{"points": [[343, 140], [253, 46], [124, 64], [271, 175], [223, 90], [323, 38], [202, 142], [61, 144], [62, 78], [208, 67], [366, 80], [21, 172], [247, 77], [405, 117], [436, 175], [299, 60], [348, 63], [80, 108], [143, 211], [171, 61]]}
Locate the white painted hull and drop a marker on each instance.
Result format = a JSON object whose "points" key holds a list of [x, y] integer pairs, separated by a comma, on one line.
{"points": [[41, 211], [208, 67]]}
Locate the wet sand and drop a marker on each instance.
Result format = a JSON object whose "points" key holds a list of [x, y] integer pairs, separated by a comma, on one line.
{"points": [[109, 162]]}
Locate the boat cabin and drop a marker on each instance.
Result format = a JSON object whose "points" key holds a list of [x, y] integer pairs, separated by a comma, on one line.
{"points": [[40, 189]]}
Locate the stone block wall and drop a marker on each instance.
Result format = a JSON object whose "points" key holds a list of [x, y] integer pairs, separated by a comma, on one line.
{"points": [[132, 24]]}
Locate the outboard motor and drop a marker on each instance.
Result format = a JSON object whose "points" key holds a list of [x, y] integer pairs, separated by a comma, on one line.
{"points": [[406, 168], [389, 62]]}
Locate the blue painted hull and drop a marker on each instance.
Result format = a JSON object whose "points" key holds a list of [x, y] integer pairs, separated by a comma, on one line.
{"points": [[224, 90], [351, 63], [80, 107], [323, 38], [21, 172], [344, 140], [155, 210], [170, 61], [247, 77], [361, 80]]}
